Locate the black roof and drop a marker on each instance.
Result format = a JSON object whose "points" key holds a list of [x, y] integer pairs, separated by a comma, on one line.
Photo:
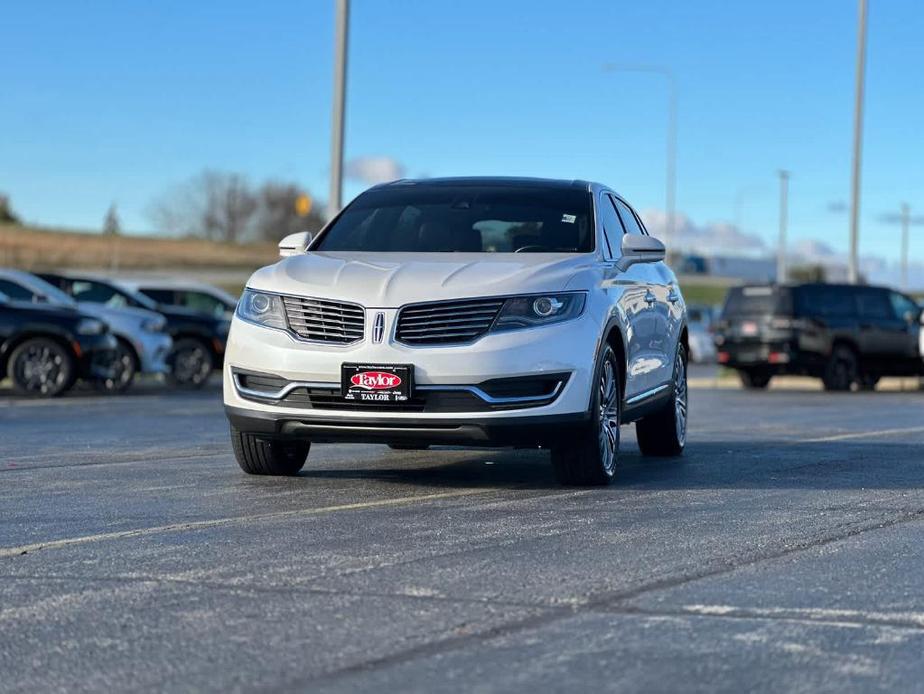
{"points": [[508, 181]]}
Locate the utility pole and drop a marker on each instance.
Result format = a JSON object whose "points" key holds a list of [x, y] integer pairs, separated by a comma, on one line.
{"points": [[670, 194], [341, 37], [784, 214], [906, 222], [853, 268]]}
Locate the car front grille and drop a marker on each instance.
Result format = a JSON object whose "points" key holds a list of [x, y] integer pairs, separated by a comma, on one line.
{"points": [[446, 322], [325, 321]]}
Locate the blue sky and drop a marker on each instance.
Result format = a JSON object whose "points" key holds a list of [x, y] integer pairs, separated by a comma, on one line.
{"points": [[119, 101]]}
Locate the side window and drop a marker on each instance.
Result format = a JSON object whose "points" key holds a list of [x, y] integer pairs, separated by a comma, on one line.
{"points": [[874, 304], [161, 296], [16, 292], [837, 302], [901, 305], [612, 227], [628, 218], [202, 303]]}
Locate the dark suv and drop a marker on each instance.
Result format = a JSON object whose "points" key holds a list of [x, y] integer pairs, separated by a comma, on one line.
{"points": [[844, 334], [45, 348]]}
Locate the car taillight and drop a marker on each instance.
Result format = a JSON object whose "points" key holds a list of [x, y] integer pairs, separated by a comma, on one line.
{"points": [[724, 357]]}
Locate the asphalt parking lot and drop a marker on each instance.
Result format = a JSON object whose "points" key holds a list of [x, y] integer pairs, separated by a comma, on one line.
{"points": [[783, 552]]}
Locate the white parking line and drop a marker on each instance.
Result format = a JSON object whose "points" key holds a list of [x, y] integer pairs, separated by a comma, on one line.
{"points": [[216, 522], [862, 435]]}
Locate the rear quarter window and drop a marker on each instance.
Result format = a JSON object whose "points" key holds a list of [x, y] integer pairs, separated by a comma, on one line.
{"points": [[757, 301]]}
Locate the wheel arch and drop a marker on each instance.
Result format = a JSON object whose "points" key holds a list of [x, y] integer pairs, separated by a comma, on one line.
{"points": [[10, 346], [616, 340], [123, 340]]}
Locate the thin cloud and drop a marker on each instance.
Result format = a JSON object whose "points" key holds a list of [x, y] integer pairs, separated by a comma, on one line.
{"points": [[715, 238], [372, 170]]}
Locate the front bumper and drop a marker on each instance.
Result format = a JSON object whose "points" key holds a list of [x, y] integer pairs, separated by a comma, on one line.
{"points": [[95, 355], [153, 350], [568, 348], [532, 431]]}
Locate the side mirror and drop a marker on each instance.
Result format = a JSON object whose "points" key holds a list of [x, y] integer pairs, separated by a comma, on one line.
{"points": [[294, 244], [640, 249]]}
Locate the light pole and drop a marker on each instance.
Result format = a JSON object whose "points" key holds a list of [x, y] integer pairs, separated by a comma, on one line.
{"points": [[671, 165], [853, 268], [784, 214], [341, 38], [906, 222]]}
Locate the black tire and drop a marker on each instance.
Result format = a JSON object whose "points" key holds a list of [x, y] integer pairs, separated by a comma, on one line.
{"points": [[869, 381], [125, 368], [42, 367], [407, 447], [589, 458], [191, 363], [842, 370], [259, 455], [754, 380], [664, 433]]}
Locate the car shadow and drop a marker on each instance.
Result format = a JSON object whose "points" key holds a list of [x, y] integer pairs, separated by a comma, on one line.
{"points": [[731, 464]]}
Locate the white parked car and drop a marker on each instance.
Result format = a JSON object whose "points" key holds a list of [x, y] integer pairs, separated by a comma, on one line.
{"points": [[474, 311], [142, 345], [702, 341]]}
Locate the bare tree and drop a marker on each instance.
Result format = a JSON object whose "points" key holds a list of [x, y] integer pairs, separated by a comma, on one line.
{"points": [[111, 224], [216, 205], [6, 211], [284, 208]]}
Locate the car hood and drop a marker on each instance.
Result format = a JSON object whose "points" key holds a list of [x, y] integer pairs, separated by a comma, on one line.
{"points": [[48, 310], [126, 313], [388, 280]]}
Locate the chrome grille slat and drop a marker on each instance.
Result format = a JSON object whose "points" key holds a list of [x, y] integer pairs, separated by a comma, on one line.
{"points": [[325, 321], [445, 328], [483, 315], [419, 312], [446, 322]]}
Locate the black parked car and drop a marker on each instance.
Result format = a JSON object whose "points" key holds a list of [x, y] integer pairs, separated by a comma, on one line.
{"points": [[45, 348], [844, 334], [198, 339]]}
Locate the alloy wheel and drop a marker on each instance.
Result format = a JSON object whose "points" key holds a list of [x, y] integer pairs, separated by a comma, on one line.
{"points": [[608, 416], [41, 369], [680, 398]]}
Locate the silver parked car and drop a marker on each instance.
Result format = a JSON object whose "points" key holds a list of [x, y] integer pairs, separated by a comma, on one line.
{"points": [[143, 346], [188, 294]]}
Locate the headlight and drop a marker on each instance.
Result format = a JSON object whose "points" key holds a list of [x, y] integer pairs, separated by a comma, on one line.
{"points": [[153, 325], [91, 326], [541, 309], [263, 309]]}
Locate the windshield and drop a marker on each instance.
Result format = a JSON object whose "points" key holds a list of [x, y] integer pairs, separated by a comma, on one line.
{"points": [[49, 291], [464, 219]]}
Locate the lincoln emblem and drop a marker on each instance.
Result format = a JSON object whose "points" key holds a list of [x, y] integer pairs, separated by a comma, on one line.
{"points": [[378, 327]]}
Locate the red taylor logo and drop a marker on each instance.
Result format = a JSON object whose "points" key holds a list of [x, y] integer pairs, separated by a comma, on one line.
{"points": [[375, 380]]}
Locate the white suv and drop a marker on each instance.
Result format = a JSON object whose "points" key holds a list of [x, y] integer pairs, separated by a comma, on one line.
{"points": [[467, 311]]}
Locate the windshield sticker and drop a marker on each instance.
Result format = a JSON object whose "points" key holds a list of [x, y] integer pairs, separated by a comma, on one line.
{"points": [[568, 218]]}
